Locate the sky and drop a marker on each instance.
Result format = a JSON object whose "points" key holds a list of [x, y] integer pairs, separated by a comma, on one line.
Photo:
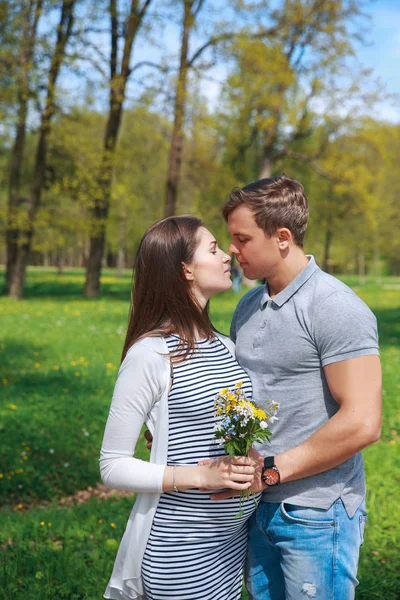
{"points": [[383, 52]]}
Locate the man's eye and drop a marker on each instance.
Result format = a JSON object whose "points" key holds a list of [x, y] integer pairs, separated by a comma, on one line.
{"points": [[242, 241]]}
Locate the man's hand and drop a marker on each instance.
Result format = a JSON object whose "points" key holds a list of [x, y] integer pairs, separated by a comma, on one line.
{"points": [[149, 439], [257, 461]]}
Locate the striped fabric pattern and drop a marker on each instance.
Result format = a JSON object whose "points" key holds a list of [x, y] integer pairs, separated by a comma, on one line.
{"points": [[197, 547]]}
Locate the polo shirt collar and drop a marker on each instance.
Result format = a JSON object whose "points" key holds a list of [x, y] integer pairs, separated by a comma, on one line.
{"points": [[293, 286]]}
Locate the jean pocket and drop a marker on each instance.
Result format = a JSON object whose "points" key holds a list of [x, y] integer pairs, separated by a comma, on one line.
{"points": [[310, 517], [362, 521]]}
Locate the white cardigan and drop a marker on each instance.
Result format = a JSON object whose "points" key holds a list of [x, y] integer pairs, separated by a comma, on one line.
{"points": [[140, 396]]}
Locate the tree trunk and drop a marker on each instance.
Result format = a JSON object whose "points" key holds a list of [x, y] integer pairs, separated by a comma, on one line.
{"points": [[33, 203], [118, 81], [326, 266], [175, 151], [377, 265], [266, 168], [17, 153], [361, 267]]}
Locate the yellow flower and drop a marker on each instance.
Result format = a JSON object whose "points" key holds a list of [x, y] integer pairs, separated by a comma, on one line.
{"points": [[13, 407], [5, 381], [1, 475], [259, 414], [224, 391], [48, 524], [77, 374], [37, 365], [36, 354], [100, 521], [113, 525], [239, 384], [56, 368], [42, 523]]}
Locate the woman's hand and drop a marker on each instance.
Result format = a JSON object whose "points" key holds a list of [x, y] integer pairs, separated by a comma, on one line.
{"points": [[233, 472]]}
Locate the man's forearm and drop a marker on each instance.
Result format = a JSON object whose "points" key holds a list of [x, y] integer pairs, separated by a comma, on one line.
{"points": [[339, 439]]}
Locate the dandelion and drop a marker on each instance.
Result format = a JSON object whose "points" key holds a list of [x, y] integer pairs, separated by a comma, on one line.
{"points": [[51, 451], [100, 521], [42, 523], [13, 407], [56, 368], [48, 524], [1, 475], [5, 381], [65, 390], [37, 365], [66, 465], [73, 363], [113, 525], [36, 354]]}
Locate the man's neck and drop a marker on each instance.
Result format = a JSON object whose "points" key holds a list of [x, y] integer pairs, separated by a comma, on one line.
{"points": [[288, 270]]}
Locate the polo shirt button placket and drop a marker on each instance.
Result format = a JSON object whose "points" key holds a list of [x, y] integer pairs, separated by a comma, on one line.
{"points": [[258, 338]]}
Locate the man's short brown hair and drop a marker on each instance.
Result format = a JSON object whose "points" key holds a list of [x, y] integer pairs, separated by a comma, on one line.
{"points": [[276, 202]]}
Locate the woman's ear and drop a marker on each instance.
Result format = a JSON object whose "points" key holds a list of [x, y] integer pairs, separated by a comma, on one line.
{"points": [[188, 271]]}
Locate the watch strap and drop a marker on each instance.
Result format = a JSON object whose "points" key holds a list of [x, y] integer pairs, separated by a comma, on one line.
{"points": [[269, 461]]}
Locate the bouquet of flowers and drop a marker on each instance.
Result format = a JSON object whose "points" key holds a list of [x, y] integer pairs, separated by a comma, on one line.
{"points": [[241, 424]]}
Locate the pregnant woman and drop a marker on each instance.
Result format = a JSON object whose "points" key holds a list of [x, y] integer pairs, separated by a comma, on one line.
{"points": [[178, 543]]}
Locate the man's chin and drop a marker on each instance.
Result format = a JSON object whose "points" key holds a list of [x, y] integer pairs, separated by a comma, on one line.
{"points": [[249, 274]]}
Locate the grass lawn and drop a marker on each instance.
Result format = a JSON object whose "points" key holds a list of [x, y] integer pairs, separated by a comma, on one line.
{"points": [[59, 358]]}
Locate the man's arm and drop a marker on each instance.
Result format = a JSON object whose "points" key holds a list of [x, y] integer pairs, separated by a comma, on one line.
{"points": [[356, 385]]}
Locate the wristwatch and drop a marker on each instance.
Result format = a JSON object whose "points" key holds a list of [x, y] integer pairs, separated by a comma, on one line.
{"points": [[270, 474]]}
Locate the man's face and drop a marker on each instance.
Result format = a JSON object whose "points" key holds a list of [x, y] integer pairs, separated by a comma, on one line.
{"points": [[257, 254]]}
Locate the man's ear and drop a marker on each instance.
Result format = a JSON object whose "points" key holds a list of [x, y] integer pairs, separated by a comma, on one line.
{"points": [[284, 237], [188, 271]]}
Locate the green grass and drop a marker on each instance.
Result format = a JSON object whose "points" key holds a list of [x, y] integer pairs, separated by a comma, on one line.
{"points": [[59, 354]]}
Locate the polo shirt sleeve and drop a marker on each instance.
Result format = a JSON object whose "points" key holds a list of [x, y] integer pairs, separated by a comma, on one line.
{"points": [[343, 328]]}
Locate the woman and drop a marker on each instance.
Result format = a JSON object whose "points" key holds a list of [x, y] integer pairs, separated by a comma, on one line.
{"points": [[178, 544]]}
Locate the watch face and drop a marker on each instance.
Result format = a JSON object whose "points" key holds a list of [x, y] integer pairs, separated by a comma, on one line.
{"points": [[271, 476]]}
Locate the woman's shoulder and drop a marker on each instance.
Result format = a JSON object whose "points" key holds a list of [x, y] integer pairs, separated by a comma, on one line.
{"points": [[148, 346]]}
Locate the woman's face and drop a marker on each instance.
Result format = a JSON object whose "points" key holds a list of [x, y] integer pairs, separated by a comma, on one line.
{"points": [[210, 270]]}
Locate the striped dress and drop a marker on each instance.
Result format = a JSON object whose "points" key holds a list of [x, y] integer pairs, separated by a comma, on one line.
{"points": [[197, 547]]}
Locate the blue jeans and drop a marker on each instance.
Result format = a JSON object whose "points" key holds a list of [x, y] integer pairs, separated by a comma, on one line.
{"points": [[298, 553]]}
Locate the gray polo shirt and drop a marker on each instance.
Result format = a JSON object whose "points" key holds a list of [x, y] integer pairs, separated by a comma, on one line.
{"points": [[283, 343]]}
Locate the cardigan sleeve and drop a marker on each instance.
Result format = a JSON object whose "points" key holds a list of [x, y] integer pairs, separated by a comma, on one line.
{"points": [[139, 385]]}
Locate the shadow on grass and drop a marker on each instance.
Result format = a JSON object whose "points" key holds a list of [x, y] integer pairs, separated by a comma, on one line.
{"points": [[47, 284], [51, 427]]}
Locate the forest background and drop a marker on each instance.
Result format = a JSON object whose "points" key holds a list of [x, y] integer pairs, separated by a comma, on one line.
{"points": [[116, 113]]}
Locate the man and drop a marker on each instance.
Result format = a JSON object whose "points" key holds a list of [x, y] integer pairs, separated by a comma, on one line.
{"points": [[310, 344]]}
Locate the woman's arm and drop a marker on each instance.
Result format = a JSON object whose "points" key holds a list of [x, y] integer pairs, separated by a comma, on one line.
{"points": [[138, 386]]}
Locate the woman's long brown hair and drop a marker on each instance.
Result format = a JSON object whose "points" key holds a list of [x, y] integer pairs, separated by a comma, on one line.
{"points": [[162, 298]]}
